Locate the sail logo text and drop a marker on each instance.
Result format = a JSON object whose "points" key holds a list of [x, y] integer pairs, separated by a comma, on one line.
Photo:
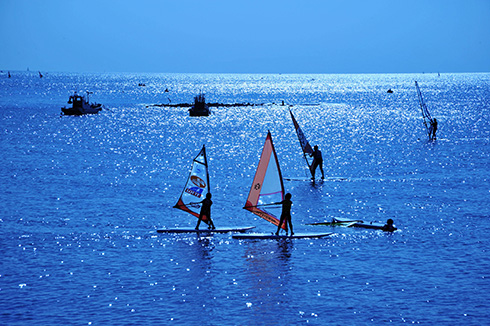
{"points": [[198, 181], [194, 191]]}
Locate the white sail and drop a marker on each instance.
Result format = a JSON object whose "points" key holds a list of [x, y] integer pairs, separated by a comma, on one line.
{"points": [[267, 186], [196, 187]]}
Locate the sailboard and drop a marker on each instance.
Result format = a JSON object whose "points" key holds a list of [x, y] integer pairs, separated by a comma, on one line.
{"points": [[204, 231], [268, 189], [258, 236], [317, 179], [305, 145], [195, 190], [428, 121], [352, 223], [338, 221]]}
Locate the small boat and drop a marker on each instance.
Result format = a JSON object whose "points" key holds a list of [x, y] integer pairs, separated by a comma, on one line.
{"points": [[200, 108], [81, 105]]}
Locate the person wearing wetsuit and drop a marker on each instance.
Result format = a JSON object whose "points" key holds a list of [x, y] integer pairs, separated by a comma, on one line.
{"points": [[206, 211], [286, 214], [317, 161]]}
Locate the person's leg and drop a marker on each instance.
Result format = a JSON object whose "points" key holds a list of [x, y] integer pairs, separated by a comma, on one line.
{"points": [[279, 226], [211, 224], [313, 168], [290, 225], [199, 222]]}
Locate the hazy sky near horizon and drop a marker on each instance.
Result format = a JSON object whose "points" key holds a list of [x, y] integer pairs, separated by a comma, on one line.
{"points": [[254, 36]]}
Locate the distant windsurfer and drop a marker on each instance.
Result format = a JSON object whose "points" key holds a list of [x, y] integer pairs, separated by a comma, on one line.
{"points": [[433, 129], [389, 227], [206, 211], [286, 214], [317, 161]]}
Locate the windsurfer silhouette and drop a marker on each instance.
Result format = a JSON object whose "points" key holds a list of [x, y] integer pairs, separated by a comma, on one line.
{"points": [[433, 129], [317, 161], [286, 214], [206, 211]]}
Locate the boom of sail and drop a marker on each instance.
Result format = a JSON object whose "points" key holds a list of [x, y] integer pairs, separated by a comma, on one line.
{"points": [[305, 145], [196, 187], [428, 121], [267, 186]]}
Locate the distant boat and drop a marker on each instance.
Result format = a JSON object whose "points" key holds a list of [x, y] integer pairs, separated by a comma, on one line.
{"points": [[81, 105], [200, 108], [40, 75], [390, 91], [9, 74]]}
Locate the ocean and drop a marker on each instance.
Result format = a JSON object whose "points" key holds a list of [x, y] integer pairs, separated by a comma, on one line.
{"points": [[81, 199]]}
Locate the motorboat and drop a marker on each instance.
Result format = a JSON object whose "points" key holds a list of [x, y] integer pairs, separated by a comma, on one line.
{"points": [[81, 105], [200, 108]]}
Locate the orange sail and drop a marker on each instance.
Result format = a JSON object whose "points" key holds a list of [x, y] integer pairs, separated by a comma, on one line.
{"points": [[267, 186], [196, 187]]}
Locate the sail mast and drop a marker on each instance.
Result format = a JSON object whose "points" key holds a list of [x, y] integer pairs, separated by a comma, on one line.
{"points": [[305, 145], [196, 187], [425, 112], [267, 186]]}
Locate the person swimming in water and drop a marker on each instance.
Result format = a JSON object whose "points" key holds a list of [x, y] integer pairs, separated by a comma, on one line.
{"points": [[389, 227]]}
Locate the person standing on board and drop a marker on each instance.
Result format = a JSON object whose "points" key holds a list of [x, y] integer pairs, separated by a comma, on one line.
{"points": [[433, 129], [286, 214], [206, 211], [317, 161]]}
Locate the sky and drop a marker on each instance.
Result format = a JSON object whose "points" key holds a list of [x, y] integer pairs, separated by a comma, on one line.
{"points": [[253, 36]]}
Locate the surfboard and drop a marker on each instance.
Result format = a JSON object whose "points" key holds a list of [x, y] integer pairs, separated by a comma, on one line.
{"points": [[352, 223], [338, 221], [316, 180], [261, 236], [217, 230], [370, 225]]}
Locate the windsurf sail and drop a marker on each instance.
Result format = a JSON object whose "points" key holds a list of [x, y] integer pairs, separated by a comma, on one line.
{"points": [[196, 187], [305, 145], [267, 186], [428, 121]]}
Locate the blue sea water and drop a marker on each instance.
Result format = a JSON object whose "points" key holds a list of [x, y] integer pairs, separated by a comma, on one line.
{"points": [[81, 199]]}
